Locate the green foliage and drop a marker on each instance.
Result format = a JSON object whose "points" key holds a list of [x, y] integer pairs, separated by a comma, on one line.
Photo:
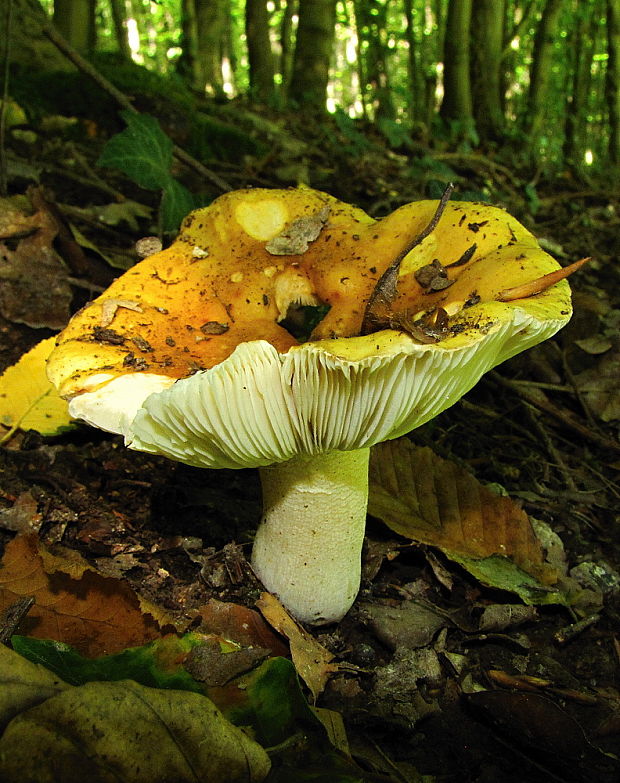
{"points": [[355, 143], [144, 153]]}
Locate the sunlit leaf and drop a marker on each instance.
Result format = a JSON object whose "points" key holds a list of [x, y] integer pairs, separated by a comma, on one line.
{"points": [[28, 401], [142, 151]]}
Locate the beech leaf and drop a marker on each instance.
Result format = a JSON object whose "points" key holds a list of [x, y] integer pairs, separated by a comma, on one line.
{"points": [[435, 502], [75, 604], [28, 401]]}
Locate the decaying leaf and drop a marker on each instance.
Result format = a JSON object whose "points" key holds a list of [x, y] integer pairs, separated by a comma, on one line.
{"points": [[104, 732], [600, 388], [28, 400], [239, 624], [433, 501], [298, 235], [313, 662], [74, 603], [23, 685], [23, 516], [34, 289]]}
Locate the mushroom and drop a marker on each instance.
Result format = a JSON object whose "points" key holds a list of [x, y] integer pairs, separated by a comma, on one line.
{"points": [[187, 354]]}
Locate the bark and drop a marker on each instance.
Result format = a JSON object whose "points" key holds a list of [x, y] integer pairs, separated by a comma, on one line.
{"points": [[260, 56], [613, 79], [541, 72], [416, 91], [28, 46], [486, 68], [313, 50], [457, 99]]}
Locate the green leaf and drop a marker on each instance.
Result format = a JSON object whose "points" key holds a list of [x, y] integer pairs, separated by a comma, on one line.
{"points": [[176, 202], [142, 151], [157, 664]]}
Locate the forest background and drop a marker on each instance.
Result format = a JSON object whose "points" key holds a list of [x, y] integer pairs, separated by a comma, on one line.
{"points": [[538, 79]]}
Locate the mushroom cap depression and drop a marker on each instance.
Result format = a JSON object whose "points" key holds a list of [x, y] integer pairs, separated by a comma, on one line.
{"points": [[186, 353]]}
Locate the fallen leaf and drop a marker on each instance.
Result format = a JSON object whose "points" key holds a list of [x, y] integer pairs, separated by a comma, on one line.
{"points": [[23, 685], [74, 603], [298, 235], [28, 400], [409, 624], [239, 624], [600, 388], [23, 516], [34, 289], [122, 731], [435, 502], [313, 662]]}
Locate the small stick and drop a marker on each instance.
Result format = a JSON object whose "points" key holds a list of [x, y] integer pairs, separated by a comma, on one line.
{"points": [[84, 66], [384, 292], [540, 284], [12, 616]]}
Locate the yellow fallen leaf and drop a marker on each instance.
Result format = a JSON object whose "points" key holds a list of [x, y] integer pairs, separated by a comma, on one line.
{"points": [[313, 662], [28, 401]]}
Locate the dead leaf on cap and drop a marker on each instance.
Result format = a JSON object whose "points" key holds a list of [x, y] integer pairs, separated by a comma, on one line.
{"points": [[110, 306], [74, 603], [298, 235], [313, 662], [434, 501]]}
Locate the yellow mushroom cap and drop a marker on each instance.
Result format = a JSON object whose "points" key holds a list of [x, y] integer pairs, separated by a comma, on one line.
{"points": [[198, 327]]}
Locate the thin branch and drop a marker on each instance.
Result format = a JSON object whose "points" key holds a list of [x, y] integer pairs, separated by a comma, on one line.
{"points": [[76, 58]]}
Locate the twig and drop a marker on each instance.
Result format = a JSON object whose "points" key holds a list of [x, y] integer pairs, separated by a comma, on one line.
{"points": [[384, 292], [543, 404], [553, 452], [71, 54]]}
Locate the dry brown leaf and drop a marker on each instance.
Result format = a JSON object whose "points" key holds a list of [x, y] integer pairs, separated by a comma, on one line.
{"points": [[74, 603], [435, 502], [313, 662], [33, 280]]}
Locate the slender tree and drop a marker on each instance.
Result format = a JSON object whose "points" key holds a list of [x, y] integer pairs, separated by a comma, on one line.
{"points": [[457, 101], [487, 39], [75, 20], [313, 50], [260, 56], [286, 43], [581, 41], [613, 79], [371, 16], [547, 34], [120, 29]]}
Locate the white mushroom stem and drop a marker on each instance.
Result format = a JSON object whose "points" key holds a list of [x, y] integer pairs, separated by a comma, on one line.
{"points": [[307, 549]]}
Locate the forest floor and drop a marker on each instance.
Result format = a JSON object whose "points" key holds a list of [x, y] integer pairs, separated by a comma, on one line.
{"points": [[534, 695]]}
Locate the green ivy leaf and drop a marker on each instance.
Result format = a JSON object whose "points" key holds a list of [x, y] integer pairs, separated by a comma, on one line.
{"points": [[176, 202], [142, 151]]}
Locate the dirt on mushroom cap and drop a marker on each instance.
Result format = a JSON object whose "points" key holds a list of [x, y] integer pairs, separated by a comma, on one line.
{"points": [[187, 308]]}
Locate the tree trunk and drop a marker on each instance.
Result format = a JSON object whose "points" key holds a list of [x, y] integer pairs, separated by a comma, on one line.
{"points": [[457, 99], [286, 43], [120, 29], [210, 30], [486, 61], [313, 50], [581, 46], [260, 56], [416, 90], [613, 79], [371, 18], [74, 21], [541, 72], [28, 46]]}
